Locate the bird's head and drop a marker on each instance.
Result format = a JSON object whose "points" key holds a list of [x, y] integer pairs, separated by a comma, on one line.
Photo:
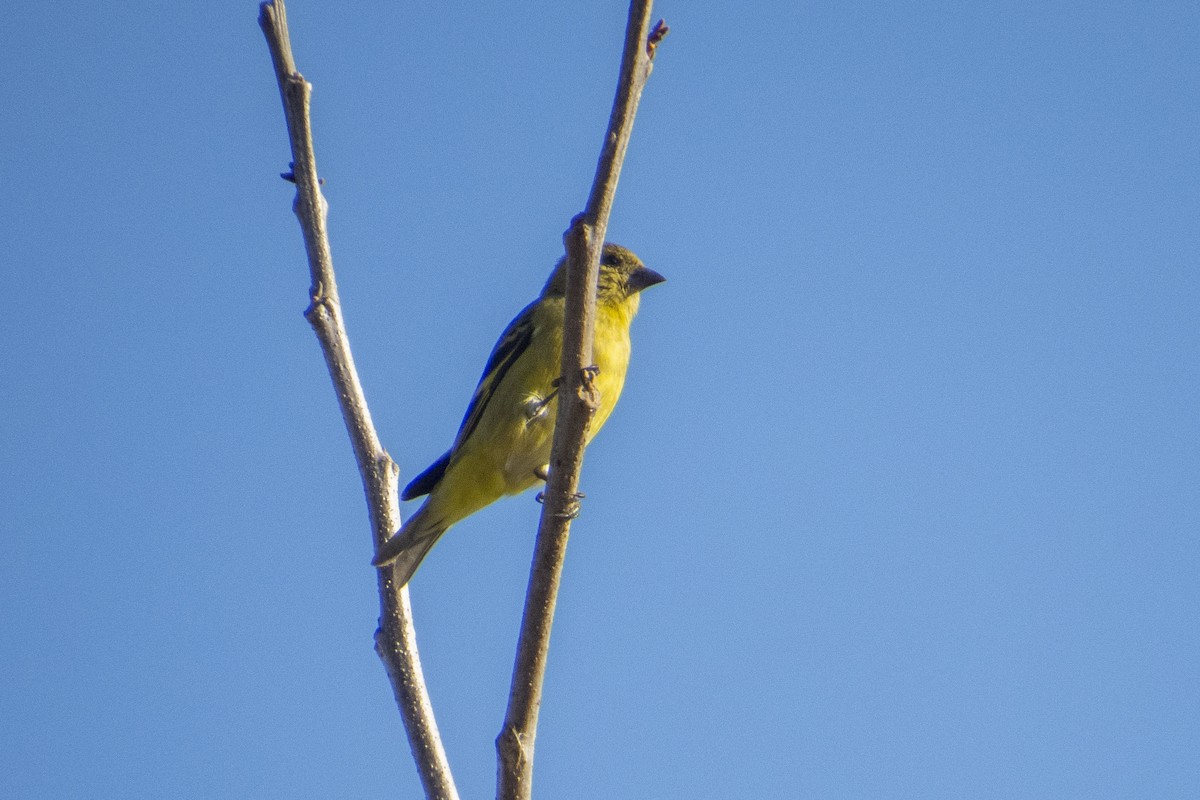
{"points": [[622, 277]]}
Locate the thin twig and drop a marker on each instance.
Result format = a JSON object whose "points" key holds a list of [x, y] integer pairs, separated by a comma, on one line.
{"points": [[577, 403], [395, 640]]}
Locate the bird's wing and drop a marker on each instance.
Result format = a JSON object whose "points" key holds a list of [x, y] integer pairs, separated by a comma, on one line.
{"points": [[513, 343], [424, 483]]}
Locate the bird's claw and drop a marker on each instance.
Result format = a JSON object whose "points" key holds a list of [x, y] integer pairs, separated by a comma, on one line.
{"points": [[571, 511], [573, 508]]}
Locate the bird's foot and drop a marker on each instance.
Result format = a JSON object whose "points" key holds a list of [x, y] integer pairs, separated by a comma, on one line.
{"points": [[573, 508], [589, 374]]}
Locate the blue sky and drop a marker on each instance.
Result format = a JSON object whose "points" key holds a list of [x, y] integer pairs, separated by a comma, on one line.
{"points": [[902, 496]]}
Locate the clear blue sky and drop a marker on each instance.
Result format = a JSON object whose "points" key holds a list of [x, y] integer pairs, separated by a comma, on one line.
{"points": [[902, 499]]}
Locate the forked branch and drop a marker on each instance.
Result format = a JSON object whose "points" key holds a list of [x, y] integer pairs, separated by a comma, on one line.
{"points": [[395, 640]]}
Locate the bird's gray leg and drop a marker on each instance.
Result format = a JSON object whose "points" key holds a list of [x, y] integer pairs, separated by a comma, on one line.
{"points": [[542, 473], [535, 410]]}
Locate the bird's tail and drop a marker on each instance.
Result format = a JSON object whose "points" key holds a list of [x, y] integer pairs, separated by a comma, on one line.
{"points": [[408, 548]]}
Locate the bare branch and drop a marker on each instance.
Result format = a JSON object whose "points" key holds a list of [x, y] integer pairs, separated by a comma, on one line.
{"points": [[395, 640], [577, 403]]}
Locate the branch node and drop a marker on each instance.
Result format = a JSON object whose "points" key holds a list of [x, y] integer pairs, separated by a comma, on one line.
{"points": [[320, 304], [580, 231], [657, 34], [290, 176]]}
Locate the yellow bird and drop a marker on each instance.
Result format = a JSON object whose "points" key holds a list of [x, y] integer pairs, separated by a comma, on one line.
{"points": [[503, 444]]}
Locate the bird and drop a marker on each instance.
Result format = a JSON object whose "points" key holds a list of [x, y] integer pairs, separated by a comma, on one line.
{"points": [[503, 444]]}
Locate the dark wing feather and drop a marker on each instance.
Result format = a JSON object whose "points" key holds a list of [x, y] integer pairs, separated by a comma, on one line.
{"points": [[513, 343], [424, 483]]}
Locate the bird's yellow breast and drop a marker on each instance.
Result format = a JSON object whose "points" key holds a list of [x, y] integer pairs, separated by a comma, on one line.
{"points": [[610, 352]]}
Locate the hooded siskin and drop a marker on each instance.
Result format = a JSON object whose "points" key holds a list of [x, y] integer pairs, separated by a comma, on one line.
{"points": [[503, 444]]}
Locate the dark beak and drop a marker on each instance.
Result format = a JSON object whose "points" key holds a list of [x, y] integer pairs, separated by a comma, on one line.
{"points": [[644, 278]]}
